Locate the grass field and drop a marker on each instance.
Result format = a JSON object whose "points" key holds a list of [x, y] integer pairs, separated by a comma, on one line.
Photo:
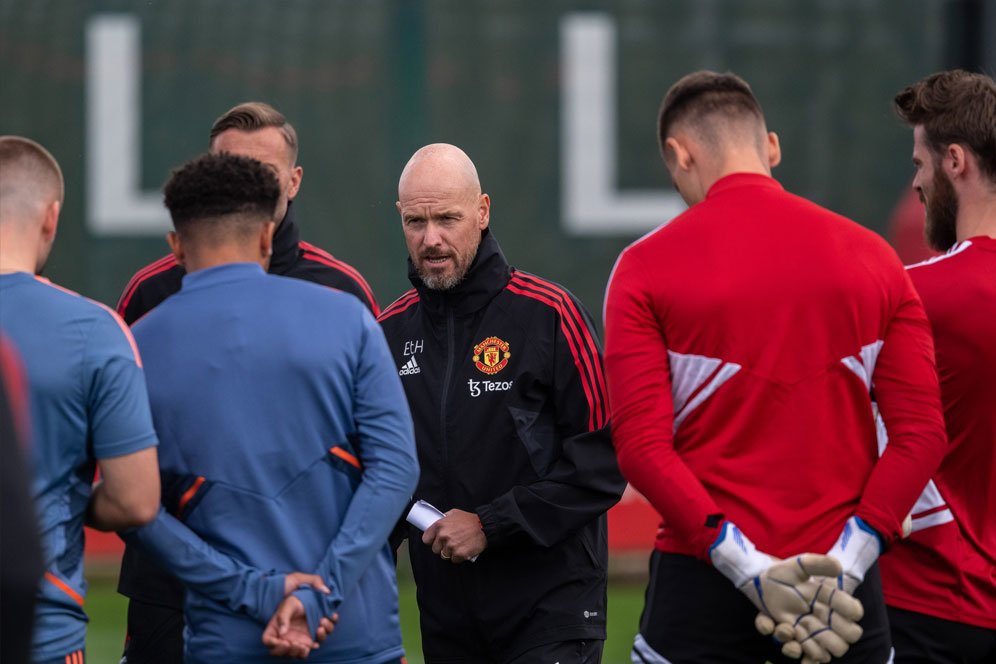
{"points": [[107, 612]]}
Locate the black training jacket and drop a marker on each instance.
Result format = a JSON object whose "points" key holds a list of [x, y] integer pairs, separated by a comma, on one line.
{"points": [[504, 377], [292, 257], [141, 578]]}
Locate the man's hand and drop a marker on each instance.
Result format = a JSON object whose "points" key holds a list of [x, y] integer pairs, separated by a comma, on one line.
{"points": [[456, 537], [287, 633], [791, 601], [295, 580], [826, 627]]}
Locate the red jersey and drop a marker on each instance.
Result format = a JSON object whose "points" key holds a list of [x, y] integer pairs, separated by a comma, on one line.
{"points": [[947, 568], [743, 340]]}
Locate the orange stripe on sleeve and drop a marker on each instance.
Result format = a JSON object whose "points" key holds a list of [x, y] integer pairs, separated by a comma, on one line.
{"points": [[346, 456], [64, 587]]}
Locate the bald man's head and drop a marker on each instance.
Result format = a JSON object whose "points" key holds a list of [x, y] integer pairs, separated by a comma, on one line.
{"points": [[443, 213], [439, 166], [30, 180]]}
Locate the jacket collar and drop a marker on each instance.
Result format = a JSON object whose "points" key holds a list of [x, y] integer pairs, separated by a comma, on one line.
{"points": [[487, 276], [285, 243]]}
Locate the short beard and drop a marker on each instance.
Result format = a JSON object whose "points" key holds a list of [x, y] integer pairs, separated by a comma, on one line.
{"points": [[941, 229], [441, 283]]}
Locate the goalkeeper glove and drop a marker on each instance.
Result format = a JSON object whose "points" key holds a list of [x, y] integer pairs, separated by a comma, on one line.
{"points": [[794, 606], [857, 549]]}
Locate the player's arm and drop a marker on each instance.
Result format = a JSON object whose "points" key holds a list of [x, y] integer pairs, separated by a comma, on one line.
{"points": [[639, 387], [121, 431], [583, 482], [389, 473], [904, 384], [128, 492]]}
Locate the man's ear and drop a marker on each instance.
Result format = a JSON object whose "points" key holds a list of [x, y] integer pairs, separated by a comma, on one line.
{"points": [[266, 239], [676, 154], [176, 246], [484, 210], [774, 150], [50, 224], [297, 174], [955, 161]]}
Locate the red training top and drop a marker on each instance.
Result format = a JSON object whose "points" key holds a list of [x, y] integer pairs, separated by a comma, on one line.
{"points": [[947, 568], [742, 340]]}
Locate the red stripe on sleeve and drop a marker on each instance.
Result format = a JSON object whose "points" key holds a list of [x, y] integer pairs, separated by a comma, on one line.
{"points": [[583, 335], [313, 253], [593, 410], [165, 263], [399, 305]]}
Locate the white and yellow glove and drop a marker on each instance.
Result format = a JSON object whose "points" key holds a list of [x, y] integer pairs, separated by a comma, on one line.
{"points": [[795, 607]]}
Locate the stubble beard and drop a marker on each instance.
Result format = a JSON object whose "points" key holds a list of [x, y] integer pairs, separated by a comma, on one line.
{"points": [[445, 282], [941, 229]]}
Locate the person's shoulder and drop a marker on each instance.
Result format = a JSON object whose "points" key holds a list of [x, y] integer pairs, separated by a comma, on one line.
{"points": [[948, 263], [311, 292], [399, 310], [95, 319], [163, 274], [533, 290]]}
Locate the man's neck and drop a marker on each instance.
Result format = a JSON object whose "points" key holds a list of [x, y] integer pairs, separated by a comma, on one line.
{"points": [[976, 216], [17, 254], [194, 261]]}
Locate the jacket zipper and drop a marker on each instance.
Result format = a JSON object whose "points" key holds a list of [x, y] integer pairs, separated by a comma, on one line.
{"points": [[444, 397]]}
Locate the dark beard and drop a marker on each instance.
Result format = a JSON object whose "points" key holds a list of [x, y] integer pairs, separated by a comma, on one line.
{"points": [[941, 229]]}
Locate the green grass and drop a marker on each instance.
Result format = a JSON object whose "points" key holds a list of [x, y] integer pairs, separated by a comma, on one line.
{"points": [[107, 611]]}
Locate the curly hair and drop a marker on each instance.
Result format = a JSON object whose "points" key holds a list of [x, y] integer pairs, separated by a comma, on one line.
{"points": [[954, 107], [213, 187]]}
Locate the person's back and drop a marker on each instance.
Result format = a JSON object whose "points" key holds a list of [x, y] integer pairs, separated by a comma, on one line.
{"points": [[751, 346], [940, 583], [87, 399], [251, 380], [786, 304], [286, 442]]}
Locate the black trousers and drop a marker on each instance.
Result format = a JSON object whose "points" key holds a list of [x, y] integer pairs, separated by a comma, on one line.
{"points": [[693, 614], [922, 639], [155, 634], [564, 652]]}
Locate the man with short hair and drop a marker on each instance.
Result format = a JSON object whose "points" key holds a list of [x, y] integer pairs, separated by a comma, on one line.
{"points": [[503, 373], [259, 131], [745, 341], [286, 442], [87, 395], [940, 584]]}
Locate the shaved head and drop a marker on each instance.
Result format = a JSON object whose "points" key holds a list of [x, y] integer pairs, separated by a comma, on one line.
{"points": [[30, 180], [443, 213], [439, 167]]}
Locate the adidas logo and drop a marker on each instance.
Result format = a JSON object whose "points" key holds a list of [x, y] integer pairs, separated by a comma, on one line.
{"points": [[411, 367]]}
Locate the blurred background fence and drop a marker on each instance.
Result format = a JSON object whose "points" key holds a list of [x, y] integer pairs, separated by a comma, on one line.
{"points": [[555, 101]]}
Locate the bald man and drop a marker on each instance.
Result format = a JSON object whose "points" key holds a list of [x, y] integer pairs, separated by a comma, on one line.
{"points": [[503, 374], [743, 341], [87, 394]]}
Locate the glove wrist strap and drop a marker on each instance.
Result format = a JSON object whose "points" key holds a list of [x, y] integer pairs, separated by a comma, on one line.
{"points": [[857, 548], [736, 557]]}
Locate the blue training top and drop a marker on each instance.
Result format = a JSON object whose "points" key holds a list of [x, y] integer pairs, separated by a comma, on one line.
{"points": [[88, 402], [286, 444]]}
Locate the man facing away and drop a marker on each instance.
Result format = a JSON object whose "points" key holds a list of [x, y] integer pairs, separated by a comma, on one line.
{"points": [[743, 343], [257, 130], [503, 373], [940, 584], [87, 399], [286, 440]]}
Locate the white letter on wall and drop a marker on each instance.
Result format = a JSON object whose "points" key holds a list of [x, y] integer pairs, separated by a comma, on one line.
{"points": [[591, 204], [115, 203]]}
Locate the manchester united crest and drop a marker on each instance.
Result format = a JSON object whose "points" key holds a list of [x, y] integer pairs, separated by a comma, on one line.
{"points": [[491, 355]]}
